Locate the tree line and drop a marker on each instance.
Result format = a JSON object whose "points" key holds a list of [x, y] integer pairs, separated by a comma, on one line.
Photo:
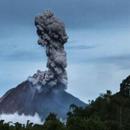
{"points": [[107, 112]]}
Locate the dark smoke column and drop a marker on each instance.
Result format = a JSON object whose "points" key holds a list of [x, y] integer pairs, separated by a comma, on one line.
{"points": [[52, 36]]}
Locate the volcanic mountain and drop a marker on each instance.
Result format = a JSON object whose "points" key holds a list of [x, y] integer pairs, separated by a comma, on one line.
{"points": [[26, 99], [45, 91]]}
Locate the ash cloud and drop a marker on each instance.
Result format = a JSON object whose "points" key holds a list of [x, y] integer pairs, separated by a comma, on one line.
{"points": [[52, 36]]}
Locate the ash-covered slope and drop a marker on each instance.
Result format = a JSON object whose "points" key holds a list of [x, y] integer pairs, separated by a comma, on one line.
{"points": [[26, 99]]}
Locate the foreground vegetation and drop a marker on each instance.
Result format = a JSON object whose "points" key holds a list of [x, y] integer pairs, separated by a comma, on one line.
{"points": [[107, 112]]}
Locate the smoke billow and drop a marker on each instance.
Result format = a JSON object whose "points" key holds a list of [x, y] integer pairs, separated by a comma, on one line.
{"points": [[52, 36]]}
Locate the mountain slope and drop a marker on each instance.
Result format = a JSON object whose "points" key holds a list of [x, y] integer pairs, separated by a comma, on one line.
{"points": [[26, 99]]}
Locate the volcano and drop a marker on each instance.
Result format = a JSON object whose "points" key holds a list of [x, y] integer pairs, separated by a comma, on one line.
{"points": [[26, 99], [45, 91]]}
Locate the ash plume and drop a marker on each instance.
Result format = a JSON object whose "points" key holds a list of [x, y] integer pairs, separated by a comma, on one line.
{"points": [[52, 36]]}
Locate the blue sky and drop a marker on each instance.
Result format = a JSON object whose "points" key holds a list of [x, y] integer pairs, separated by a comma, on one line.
{"points": [[97, 50]]}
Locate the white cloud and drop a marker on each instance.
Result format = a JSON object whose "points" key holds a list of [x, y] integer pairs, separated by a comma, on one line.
{"points": [[20, 118]]}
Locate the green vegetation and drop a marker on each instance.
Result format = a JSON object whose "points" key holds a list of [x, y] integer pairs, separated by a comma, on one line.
{"points": [[107, 112]]}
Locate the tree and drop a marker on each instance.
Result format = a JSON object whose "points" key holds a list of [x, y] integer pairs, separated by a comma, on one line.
{"points": [[53, 123]]}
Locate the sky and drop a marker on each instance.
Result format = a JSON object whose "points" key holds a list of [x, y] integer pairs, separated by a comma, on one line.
{"points": [[97, 51]]}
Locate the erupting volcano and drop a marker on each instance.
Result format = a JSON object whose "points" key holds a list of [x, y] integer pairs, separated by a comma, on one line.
{"points": [[44, 92]]}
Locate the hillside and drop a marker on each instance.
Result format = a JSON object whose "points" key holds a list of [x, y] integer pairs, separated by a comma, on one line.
{"points": [[26, 99]]}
